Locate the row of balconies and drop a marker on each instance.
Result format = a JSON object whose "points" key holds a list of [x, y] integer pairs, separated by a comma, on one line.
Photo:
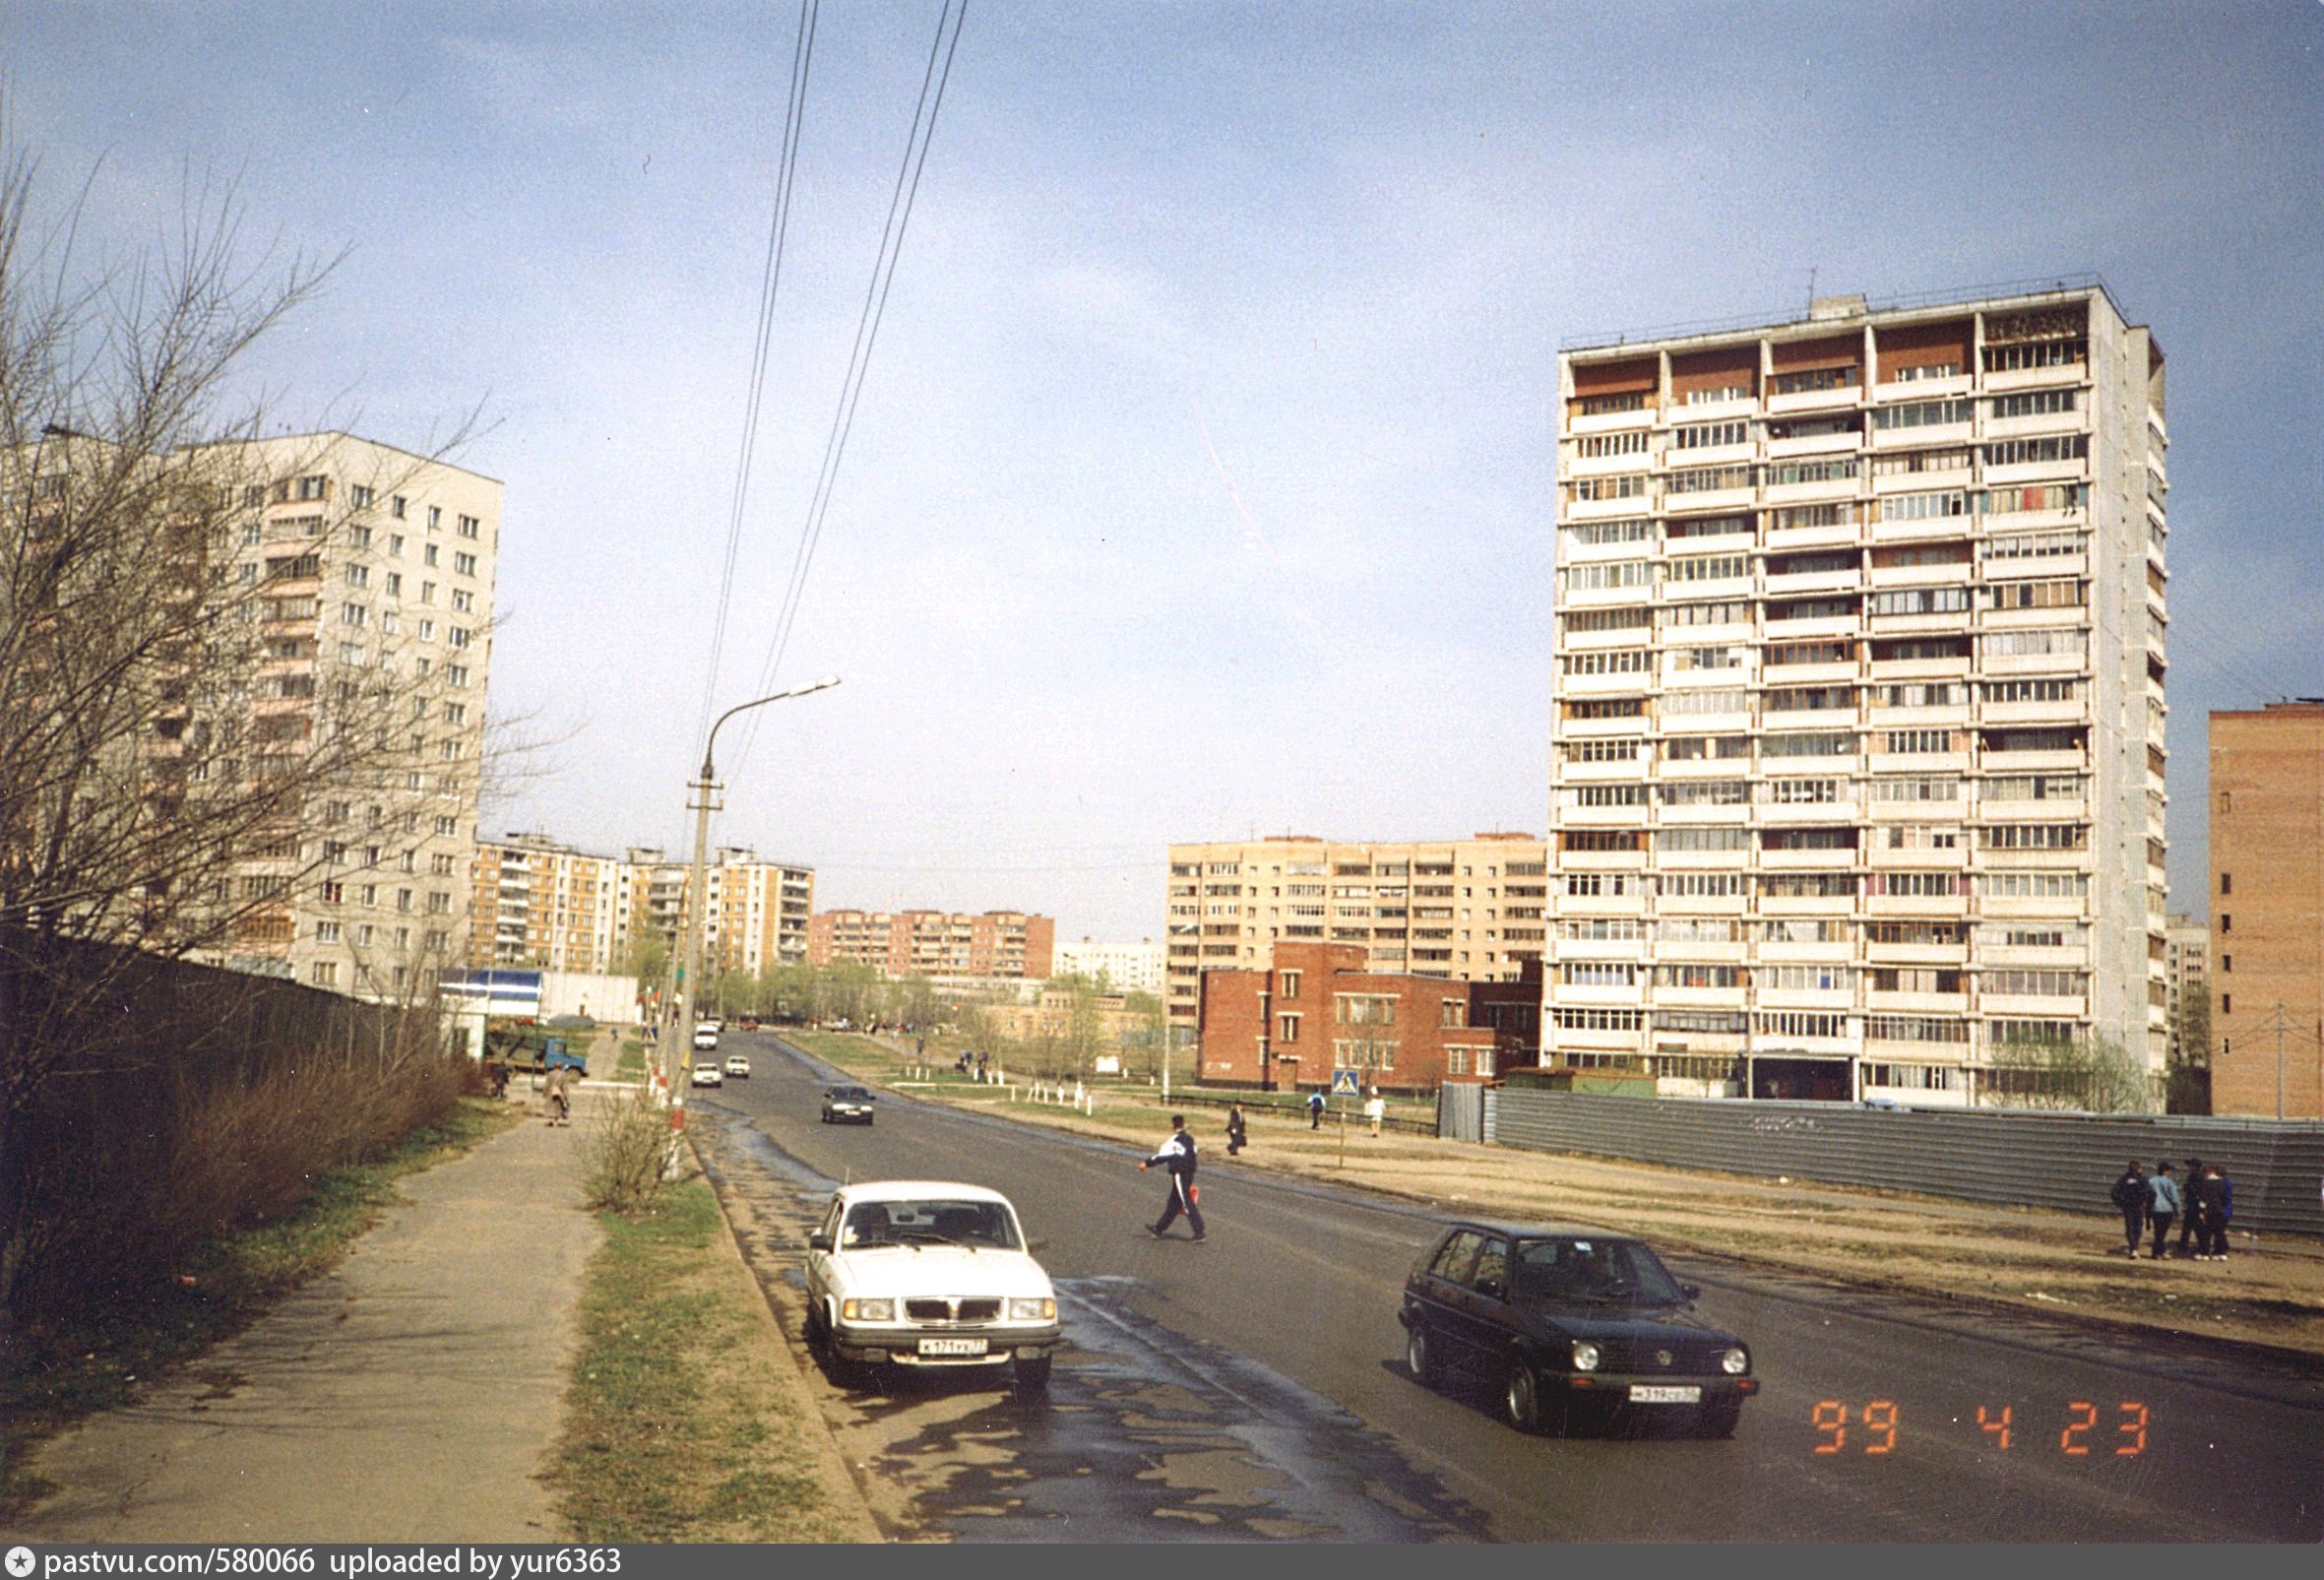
{"points": [[1656, 413], [1866, 440]]}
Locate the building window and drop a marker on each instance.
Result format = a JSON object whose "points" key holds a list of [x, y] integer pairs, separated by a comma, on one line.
{"points": [[1453, 1012], [2226, 883], [2227, 1003], [1286, 1028], [465, 564], [310, 488]]}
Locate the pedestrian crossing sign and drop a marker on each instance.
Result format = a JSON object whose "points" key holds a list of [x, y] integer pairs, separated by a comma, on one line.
{"points": [[1346, 1084]]}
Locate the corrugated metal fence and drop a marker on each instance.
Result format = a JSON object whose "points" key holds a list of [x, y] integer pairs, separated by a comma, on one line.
{"points": [[2063, 1161]]}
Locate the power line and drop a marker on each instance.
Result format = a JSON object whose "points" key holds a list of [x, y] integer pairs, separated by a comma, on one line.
{"points": [[867, 329], [777, 232]]}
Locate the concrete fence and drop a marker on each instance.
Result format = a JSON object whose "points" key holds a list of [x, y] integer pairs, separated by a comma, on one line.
{"points": [[2062, 1161]]}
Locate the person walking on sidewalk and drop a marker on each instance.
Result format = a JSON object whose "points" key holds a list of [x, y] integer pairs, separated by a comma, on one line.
{"points": [[1239, 1130], [2162, 1204], [1315, 1109], [2130, 1196], [560, 1096], [1177, 1155], [1375, 1108]]}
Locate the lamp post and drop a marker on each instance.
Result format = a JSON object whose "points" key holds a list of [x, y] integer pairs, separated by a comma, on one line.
{"points": [[692, 905]]}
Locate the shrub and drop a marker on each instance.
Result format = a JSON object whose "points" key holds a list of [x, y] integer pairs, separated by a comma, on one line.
{"points": [[625, 1155]]}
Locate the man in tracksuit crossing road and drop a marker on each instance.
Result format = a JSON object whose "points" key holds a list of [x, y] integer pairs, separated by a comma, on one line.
{"points": [[1177, 1155]]}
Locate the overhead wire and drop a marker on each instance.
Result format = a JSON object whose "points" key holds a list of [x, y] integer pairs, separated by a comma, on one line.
{"points": [[883, 278], [769, 280]]}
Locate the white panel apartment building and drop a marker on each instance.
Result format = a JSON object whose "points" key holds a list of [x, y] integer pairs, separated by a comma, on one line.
{"points": [[1858, 753], [373, 562], [1127, 968]]}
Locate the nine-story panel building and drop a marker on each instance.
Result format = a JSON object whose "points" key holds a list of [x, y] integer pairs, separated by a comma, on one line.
{"points": [[1858, 764]]}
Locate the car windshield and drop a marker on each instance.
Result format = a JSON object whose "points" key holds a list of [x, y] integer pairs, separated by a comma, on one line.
{"points": [[848, 1093], [934, 1221], [1593, 1271]]}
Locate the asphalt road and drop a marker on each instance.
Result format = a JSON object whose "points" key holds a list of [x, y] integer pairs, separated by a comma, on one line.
{"points": [[1254, 1386]]}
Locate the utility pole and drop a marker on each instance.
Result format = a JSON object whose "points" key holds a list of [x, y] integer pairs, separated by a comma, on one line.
{"points": [[692, 905]]}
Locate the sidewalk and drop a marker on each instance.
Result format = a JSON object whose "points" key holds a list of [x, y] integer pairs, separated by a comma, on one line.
{"points": [[408, 1396]]}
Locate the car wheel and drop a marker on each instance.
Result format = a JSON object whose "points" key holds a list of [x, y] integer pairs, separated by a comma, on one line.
{"points": [[1420, 1355], [1719, 1418], [1032, 1380], [1521, 1396]]}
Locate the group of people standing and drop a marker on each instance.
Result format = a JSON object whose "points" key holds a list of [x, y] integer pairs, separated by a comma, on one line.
{"points": [[2202, 1205]]}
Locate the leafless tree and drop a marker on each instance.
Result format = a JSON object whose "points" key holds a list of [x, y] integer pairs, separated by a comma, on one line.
{"points": [[178, 759]]}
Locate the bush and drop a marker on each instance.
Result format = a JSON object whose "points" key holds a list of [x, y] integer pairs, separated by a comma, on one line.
{"points": [[625, 1155]]}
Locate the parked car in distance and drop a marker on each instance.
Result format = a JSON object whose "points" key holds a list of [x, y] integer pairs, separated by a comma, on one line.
{"points": [[934, 1275], [736, 1064], [846, 1104], [1575, 1325], [707, 1074]]}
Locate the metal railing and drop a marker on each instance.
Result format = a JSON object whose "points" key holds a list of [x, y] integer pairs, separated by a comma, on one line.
{"points": [[1782, 319]]}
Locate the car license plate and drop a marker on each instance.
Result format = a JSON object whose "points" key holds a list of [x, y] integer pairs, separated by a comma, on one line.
{"points": [[952, 1347], [1647, 1394]]}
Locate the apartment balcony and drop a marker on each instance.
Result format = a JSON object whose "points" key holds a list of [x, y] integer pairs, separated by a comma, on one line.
{"points": [[2064, 1007], [1601, 860], [1708, 501], [1779, 814], [1952, 717], [1626, 769], [1943, 622], [1571, 815], [1599, 729], [1814, 444], [1630, 949], [1571, 997], [2038, 425], [1672, 459], [1804, 906], [1811, 583], [1932, 436], [1921, 762], [1574, 466], [1929, 906], [1736, 815], [1600, 685], [1675, 590], [1839, 535], [1879, 1003], [1746, 406], [1808, 630], [1846, 397], [1933, 526], [2035, 762], [1941, 955], [1841, 860], [1612, 421], [1822, 491], [1784, 952], [2032, 473], [2075, 810], [1953, 575], [2073, 375], [1732, 999], [2070, 711], [1599, 597], [1579, 510], [1844, 672]]}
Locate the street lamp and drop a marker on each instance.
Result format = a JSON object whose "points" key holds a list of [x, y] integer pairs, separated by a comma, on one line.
{"points": [[692, 906]]}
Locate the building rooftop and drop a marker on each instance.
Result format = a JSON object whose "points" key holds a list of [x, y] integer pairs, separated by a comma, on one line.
{"points": [[1840, 309]]}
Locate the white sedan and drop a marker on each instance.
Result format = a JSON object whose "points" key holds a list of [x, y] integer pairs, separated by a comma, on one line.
{"points": [[707, 1074], [931, 1274]]}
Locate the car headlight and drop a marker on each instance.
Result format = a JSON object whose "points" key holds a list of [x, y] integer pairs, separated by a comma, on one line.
{"points": [[883, 1310], [1585, 1356], [1041, 1310], [1735, 1362]]}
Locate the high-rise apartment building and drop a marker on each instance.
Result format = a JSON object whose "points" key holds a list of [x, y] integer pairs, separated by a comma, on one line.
{"points": [[756, 915], [539, 902], [376, 566], [1469, 908], [937, 943], [1858, 756], [2267, 911]]}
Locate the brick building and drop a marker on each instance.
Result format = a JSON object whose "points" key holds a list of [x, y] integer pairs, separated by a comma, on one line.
{"points": [[2267, 911], [1315, 1009], [935, 943]]}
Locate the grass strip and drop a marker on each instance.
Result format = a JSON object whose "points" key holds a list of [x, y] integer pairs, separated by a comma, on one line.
{"points": [[632, 1064], [678, 1426], [97, 1365]]}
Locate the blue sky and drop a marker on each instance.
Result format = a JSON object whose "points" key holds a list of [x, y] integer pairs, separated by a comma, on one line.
{"points": [[1345, 240]]}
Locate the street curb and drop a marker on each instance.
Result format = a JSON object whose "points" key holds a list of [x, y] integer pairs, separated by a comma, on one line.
{"points": [[831, 1466]]}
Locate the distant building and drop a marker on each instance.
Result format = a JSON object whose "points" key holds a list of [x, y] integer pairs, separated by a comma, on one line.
{"points": [[2186, 976], [1013, 944], [1315, 1009], [1466, 909], [2267, 911], [542, 904], [1127, 968]]}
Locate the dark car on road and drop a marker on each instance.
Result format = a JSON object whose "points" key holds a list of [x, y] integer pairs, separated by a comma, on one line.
{"points": [[846, 1104], [1577, 1326]]}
